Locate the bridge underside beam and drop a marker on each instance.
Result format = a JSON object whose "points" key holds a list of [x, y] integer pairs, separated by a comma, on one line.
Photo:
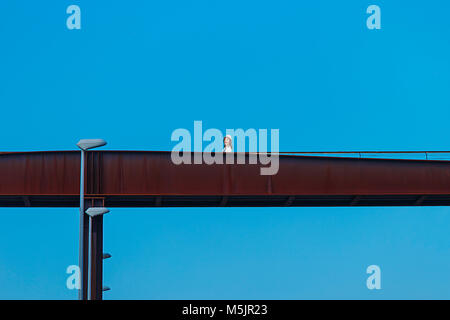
{"points": [[236, 201]]}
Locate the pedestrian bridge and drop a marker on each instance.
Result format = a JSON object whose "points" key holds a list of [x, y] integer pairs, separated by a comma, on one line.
{"points": [[151, 179]]}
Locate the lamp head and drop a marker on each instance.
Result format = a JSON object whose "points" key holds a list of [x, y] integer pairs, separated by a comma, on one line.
{"points": [[96, 211], [86, 144]]}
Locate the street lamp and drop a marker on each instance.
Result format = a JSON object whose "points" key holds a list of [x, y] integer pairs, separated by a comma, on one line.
{"points": [[84, 145], [96, 251]]}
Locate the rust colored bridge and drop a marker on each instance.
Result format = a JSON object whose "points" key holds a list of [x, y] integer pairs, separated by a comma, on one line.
{"points": [[150, 179]]}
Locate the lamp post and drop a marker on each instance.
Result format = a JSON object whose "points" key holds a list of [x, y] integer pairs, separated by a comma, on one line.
{"points": [[84, 145], [96, 249]]}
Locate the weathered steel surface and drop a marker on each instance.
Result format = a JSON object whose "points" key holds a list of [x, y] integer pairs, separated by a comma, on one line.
{"points": [[149, 178]]}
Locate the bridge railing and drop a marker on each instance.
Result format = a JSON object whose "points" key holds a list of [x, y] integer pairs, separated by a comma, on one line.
{"points": [[406, 155]]}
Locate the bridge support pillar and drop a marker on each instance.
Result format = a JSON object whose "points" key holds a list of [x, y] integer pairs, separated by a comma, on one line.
{"points": [[96, 249], [96, 258], [85, 257]]}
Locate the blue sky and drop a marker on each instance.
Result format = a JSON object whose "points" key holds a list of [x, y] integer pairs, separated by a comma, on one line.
{"points": [[137, 70]]}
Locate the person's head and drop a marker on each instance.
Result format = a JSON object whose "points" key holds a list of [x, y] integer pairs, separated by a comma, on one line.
{"points": [[227, 141]]}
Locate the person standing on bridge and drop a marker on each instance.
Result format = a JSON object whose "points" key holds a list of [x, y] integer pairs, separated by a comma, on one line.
{"points": [[228, 147]]}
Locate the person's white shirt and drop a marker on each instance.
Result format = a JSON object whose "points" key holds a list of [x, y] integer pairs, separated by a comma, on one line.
{"points": [[228, 149]]}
